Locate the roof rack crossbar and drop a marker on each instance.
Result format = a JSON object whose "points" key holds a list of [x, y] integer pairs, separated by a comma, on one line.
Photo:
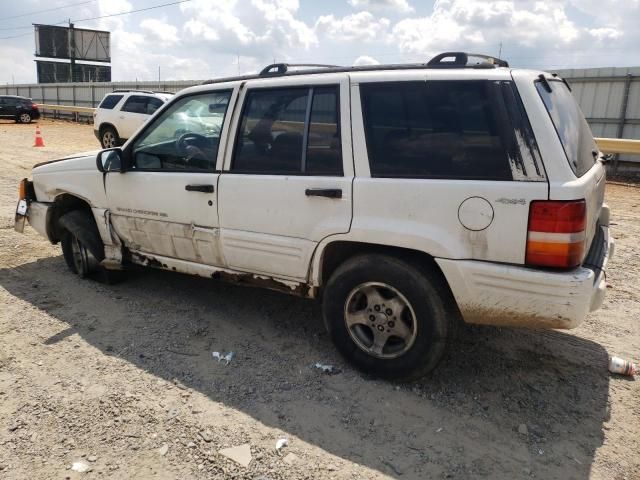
{"points": [[282, 68], [125, 90], [461, 60]]}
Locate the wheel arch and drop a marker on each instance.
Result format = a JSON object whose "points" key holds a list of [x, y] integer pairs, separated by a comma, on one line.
{"points": [[335, 253], [62, 204], [104, 125]]}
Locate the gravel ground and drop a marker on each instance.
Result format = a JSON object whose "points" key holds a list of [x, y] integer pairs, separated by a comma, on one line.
{"points": [[120, 380]]}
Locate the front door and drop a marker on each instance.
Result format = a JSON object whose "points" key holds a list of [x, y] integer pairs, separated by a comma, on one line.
{"points": [[165, 203], [287, 180]]}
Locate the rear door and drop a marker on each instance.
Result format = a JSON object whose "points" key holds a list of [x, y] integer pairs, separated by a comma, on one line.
{"points": [[133, 114], [288, 175]]}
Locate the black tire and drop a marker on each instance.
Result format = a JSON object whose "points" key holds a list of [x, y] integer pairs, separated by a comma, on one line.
{"points": [[24, 117], [82, 250], [427, 296], [109, 137]]}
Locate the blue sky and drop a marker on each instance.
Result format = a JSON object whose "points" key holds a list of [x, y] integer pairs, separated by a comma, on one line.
{"points": [[205, 38]]}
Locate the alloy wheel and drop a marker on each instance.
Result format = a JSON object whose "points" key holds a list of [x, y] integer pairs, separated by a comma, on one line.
{"points": [[380, 320]]}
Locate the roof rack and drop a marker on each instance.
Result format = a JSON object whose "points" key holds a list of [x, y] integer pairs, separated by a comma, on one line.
{"points": [[126, 90], [282, 68], [460, 60]]}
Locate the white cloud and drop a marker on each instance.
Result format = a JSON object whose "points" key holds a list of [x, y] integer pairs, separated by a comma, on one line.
{"points": [[160, 31], [472, 24], [206, 38], [267, 28], [400, 6], [110, 7], [365, 60], [605, 33], [362, 26]]}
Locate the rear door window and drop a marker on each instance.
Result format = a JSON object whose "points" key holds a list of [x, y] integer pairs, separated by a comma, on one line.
{"points": [[435, 129], [153, 104], [290, 131], [573, 130], [136, 104], [110, 101]]}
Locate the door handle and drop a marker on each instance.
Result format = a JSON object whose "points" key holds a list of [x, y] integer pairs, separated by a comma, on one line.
{"points": [[324, 192], [199, 188]]}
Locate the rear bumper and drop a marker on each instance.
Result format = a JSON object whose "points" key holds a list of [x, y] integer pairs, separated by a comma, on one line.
{"points": [[507, 295]]}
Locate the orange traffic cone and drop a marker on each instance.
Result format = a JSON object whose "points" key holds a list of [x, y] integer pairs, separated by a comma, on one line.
{"points": [[39, 140]]}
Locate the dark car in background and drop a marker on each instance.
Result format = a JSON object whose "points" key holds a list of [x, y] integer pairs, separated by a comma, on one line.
{"points": [[21, 109]]}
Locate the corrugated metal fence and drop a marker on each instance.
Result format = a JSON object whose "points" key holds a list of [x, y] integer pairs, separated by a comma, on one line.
{"points": [[87, 94], [610, 99]]}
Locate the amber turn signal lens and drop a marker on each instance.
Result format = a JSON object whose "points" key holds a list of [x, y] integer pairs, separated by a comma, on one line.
{"points": [[22, 191]]}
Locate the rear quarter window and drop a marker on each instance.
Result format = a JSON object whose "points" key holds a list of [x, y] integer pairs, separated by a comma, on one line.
{"points": [[434, 129], [572, 128], [110, 101]]}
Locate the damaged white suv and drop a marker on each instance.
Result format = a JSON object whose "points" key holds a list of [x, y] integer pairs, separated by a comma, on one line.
{"points": [[404, 197]]}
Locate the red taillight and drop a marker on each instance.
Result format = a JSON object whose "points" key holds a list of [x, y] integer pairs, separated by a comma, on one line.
{"points": [[556, 233], [34, 106]]}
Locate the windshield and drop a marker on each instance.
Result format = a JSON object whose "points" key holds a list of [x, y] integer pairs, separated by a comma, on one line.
{"points": [[573, 130]]}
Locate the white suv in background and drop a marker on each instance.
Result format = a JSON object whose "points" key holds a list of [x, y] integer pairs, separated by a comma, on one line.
{"points": [[404, 197], [122, 112]]}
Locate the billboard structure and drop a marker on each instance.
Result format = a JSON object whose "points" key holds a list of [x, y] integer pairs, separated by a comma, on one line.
{"points": [[73, 44], [61, 72]]}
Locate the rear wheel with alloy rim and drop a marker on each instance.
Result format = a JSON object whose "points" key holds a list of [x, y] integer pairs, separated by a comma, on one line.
{"points": [[380, 320], [25, 118], [388, 317]]}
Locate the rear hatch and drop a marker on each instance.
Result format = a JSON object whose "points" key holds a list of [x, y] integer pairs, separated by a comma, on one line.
{"points": [[580, 149]]}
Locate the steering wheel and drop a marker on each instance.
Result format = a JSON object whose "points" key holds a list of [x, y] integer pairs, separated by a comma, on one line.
{"points": [[190, 139]]}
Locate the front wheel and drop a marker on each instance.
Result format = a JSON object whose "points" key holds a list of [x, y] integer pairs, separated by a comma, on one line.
{"points": [[83, 263], [388, 317], [78, 258], [109, 137]]}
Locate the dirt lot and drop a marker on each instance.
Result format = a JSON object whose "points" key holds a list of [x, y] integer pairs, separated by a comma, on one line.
{"points": [[122, 377]]}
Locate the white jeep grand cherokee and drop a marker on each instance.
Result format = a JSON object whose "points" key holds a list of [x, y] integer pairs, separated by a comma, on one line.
{"points": [[404, 197]]}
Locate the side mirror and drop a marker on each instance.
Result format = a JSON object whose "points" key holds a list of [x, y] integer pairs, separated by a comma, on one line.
{"points": [[110, 160]]}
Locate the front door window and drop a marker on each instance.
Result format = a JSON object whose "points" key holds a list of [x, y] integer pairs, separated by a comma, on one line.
{"points": [[185, 137]]}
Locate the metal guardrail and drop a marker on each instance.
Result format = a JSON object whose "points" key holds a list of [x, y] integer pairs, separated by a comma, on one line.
{"points": [[86, 112], [619, 145], [65, 108]]}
